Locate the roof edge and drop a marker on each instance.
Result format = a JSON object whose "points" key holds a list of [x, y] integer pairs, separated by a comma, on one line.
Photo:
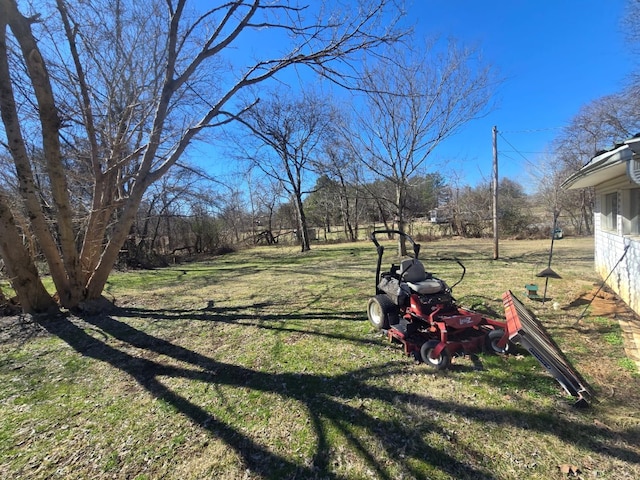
{"points": [[586, 176]]}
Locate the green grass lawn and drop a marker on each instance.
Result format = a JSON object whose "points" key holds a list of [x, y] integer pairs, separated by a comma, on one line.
{"points": [[262, 364]]}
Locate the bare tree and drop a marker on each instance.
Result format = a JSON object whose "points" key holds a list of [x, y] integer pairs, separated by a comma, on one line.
{"points": [[265, 194], [598, 126], [174, 212], [340, 166], [128, 86], [558, 202], [293, 130], [631, 28], [472, 213], [470, 209], [412, 102]]}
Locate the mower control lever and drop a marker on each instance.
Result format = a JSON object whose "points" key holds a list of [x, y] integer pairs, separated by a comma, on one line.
{"points": [[464, 270]]}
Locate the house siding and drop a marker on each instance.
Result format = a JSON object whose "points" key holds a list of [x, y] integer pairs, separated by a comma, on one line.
{"points": [[624, 278]]}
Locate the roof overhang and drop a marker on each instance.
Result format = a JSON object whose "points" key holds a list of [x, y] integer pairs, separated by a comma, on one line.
{"points": [[611, 164]]}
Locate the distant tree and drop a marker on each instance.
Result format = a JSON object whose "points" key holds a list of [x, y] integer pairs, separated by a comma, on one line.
{"points": [[631, 30], [513, 208], [379, 195], [206, 228], [128, 86], [472, 210], [178, 214], [287, 136], [423, 193], [234, 214], [265, 195], [286, 218], [339, 165], [472, 215], [322, 204], [557, 201], [412, 102]]}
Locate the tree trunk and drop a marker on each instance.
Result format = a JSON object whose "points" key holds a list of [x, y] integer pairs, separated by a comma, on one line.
{"points": [[102, 209], [356, 220], [71, 279], [383, 214], [27, 186], [400, 199], [25, 280], [302, 224], [100, 275], [346, 215]]}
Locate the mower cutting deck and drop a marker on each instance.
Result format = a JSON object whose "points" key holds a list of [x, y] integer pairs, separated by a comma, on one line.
{"points": [[418, 310]]}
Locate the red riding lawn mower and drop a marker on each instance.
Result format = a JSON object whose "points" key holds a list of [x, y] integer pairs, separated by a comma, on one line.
{"points": [[418, 310]]}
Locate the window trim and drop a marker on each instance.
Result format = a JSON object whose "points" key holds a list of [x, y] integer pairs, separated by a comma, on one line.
{"points": [[609, 213], [633, 211]]}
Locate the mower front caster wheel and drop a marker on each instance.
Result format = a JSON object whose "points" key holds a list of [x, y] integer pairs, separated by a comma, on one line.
{"points": [[379, 309], [441, 362], [493, 338]]}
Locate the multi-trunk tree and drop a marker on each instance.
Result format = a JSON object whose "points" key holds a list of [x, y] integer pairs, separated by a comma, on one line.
{"points": [[118, 90]]}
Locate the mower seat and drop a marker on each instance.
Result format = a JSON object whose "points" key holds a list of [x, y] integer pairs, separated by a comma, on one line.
{"points": [[412, 273]]}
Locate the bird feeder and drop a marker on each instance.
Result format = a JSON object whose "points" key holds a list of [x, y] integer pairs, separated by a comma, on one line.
{"points": [[531, 290]]}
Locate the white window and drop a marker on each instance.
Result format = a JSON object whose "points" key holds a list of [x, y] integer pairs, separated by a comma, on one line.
{"points": [[610, 212]]}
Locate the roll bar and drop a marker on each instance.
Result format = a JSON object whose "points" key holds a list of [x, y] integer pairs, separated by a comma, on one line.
{"points": [[416, 246], [380, 248]]}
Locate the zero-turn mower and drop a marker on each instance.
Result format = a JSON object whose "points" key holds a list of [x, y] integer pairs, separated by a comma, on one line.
{"points": [[418, 310]]}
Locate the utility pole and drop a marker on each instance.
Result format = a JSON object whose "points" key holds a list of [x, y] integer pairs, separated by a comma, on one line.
{"points": [[495, 193]]}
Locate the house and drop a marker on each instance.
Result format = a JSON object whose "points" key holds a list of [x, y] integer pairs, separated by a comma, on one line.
{"points": [[615, 175]]}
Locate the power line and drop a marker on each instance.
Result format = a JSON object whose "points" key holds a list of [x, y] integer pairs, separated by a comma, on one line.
{"points": [[531, 151], [515, 150], [533, 130]]}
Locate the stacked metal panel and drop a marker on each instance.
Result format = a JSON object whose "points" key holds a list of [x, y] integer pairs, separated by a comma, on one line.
{"points": [[526, 330]]}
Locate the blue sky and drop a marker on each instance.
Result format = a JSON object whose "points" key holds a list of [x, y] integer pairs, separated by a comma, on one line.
{"points": [[554, 56]]}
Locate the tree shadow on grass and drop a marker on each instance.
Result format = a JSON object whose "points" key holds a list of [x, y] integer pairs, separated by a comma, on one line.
{"points": [[327, 399], [484, 255], [255, 315]]}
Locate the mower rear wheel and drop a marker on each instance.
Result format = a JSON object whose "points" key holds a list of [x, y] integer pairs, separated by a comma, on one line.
{"points": [[379, 309], [441, 362], [493, 338]]}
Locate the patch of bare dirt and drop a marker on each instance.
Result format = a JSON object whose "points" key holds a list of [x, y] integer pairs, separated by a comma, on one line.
{"points": [[604, 303], [19, 329]]}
